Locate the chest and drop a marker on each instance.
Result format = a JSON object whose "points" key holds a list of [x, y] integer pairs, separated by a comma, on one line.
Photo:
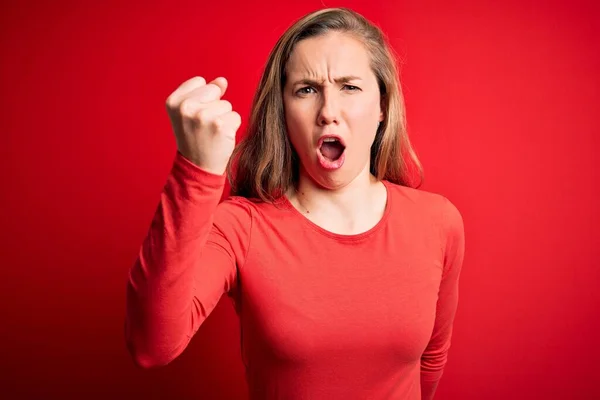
{"points": [[305, 296]]}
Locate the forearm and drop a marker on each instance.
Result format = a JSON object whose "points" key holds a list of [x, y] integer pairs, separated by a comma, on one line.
{"points": [[160, 288]]}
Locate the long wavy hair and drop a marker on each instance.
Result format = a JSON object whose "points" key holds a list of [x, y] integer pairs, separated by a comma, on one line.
{"points": [[264, 164]]}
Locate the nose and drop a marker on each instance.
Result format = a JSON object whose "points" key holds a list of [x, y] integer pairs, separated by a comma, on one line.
{"points": [[329, 109]]}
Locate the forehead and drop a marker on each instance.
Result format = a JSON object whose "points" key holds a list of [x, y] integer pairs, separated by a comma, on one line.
{"points": [[334, 53]]}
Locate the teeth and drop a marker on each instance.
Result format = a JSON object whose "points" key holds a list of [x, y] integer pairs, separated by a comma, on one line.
{"points": [[330, 140]]}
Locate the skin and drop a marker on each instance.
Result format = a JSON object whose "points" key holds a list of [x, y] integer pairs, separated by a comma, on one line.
{"points": [[348, 200]]}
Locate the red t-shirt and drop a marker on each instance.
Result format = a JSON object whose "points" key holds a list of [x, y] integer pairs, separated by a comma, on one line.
{"points": [[322, 315]]}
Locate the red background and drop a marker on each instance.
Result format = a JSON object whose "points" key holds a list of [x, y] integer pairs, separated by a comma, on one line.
{"points": [[502, 100]]}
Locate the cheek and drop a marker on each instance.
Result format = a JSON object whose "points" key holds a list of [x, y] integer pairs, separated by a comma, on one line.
{"points": [[298, 113], [298, 127], [363, 118], [364, 110]]}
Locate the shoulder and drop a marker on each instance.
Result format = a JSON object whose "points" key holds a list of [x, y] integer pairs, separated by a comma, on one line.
{"points": [[235, 205], [434, 205], [243, 207], [408, 194], [245, 221], [234, 214], [411, 197], [247, 211]]}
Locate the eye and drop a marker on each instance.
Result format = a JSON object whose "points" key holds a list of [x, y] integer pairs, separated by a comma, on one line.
{"points": [[352, 88], [305, 90]]}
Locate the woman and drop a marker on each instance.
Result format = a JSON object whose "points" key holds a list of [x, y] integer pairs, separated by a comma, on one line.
{"points": [[345, 278]]}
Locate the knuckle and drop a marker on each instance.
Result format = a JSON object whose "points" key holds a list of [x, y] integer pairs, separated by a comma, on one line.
{"points": [[202, 115], [170, 103], [217, 123], [198, 79], [186, 108], [227, 105], [203, 94], [212, 90]]}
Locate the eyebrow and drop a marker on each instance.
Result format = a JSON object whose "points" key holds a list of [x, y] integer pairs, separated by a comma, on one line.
{"points": [[312, 82]]}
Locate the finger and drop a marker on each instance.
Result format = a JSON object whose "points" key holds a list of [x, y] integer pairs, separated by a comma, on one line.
{"points": [[191, 107], [191, 84], [185, 88], [213, 110], [222, 83], [205, 94], [230, 122]]}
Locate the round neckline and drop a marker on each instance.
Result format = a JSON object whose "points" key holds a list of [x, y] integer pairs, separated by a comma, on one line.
{"points": [[340, 236]]}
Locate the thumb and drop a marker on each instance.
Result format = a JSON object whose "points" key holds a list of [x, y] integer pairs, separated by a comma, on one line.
{"points": [[222, 83]]}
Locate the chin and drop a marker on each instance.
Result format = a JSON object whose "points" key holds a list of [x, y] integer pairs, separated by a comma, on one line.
{"points": [[334, 180]]}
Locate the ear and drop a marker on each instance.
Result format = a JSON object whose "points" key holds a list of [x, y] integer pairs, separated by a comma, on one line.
{"points": [[382, 108]]}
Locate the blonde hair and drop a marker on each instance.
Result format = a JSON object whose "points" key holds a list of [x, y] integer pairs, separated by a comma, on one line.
{"points": [[266, 164]]}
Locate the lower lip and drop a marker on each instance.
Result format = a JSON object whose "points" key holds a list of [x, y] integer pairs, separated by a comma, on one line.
{"points": [[328, 164]]}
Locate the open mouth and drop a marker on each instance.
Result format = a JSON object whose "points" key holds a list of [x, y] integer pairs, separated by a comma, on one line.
{"points": [[331, 152], [331, 148]]}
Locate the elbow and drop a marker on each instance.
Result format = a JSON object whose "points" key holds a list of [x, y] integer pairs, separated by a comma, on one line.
{"points": [[146, 359], [145, 351], [146, 356]]}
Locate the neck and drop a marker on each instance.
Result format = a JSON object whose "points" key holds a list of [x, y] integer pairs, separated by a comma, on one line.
{"points": [[347, 201], [351, 209]]}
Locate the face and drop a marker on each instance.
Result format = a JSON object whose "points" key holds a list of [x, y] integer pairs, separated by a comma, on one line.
{"points": [[332, 108]]}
